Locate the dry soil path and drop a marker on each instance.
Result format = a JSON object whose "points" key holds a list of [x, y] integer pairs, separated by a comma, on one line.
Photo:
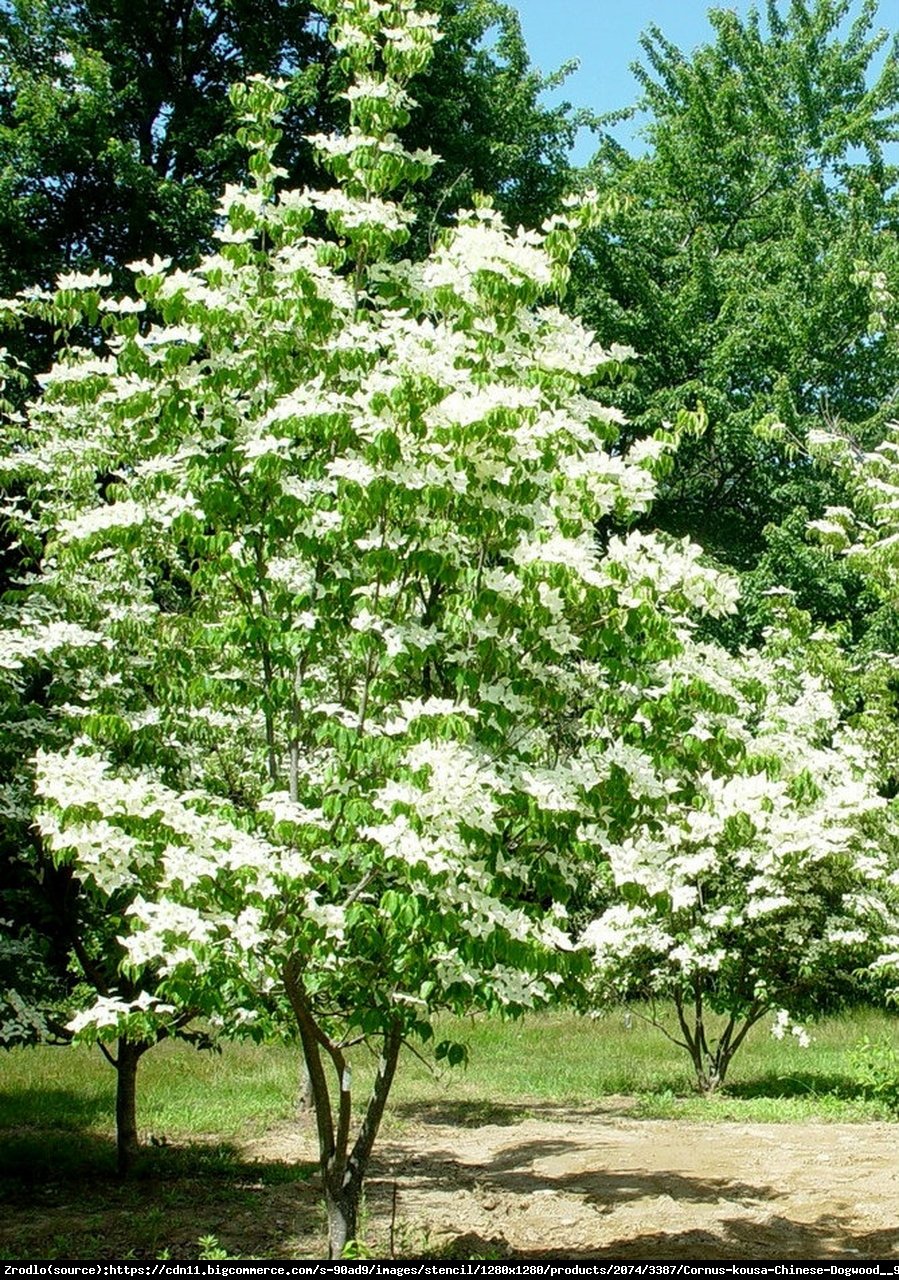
{"points": [[598, 1186]]}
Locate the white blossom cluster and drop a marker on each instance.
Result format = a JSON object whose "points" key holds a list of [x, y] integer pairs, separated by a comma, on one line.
{"points": [[759, 856]]}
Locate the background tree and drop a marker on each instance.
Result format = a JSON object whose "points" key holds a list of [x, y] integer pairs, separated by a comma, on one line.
{"points": [[116, 131], [756, 873], [115, 127], [61, 948], [753, 263]]}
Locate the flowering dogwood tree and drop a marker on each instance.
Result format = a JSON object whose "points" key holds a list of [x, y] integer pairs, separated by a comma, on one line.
{"points": [[320, 523], [72, 893], [751, 875], [868, 534], [869, 531]]}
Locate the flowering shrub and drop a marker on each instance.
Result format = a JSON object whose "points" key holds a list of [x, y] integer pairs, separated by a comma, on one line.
{"points": [[868, 533], [752, 875]]}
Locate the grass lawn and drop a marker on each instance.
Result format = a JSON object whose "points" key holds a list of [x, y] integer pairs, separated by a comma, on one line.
{"points": [[195, 1110]]}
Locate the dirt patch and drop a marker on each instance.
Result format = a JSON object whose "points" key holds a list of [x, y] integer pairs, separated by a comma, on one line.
{"points": [[601, 1186], [474, 1181]]}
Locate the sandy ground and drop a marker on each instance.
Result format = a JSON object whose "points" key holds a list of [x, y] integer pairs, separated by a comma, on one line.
{"points": [[599, 1186], [474, 1182]]}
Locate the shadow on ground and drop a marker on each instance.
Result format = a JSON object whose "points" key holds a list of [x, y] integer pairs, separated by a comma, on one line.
{"points": [[799, 1084], [60, 1196], [778, 1237], [562, 1194], [472, 1113], [41, 1108], [511, 1171]]}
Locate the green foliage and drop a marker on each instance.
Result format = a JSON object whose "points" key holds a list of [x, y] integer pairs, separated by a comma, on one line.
{"points": [[211, 1251], [480, 110], [753, 264], [117, 133], [758, 872], [875, 1064], [115, 123]]}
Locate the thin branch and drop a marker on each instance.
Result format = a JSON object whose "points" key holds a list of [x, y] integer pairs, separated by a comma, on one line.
{"points": [[393, 1040], [311, 1035], [660, 1026], [756, 1012], [114, 1062]]}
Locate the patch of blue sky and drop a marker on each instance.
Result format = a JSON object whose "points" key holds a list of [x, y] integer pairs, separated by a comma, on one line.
{"points": [[604, 37]]}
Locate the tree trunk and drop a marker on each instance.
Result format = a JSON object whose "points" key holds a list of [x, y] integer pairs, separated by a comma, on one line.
{"points": [[343, 1210], [305, 1096], [343, 1169], [127, 1145], [708, 1080], [342, 1200]]}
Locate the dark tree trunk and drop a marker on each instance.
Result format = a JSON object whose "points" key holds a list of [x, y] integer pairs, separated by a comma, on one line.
{"points": [[711, 1061], [127, 1145], [343, 1177]]}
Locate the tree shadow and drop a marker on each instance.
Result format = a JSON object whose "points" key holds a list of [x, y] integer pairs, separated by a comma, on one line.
{"points": [[59, 1109], [82, 1159], [523, 1172], [473, 1113], [799, 1084], [471, 1247], [63, 1198], [470, 1114], [776, 1238], [512, 1171], [40, 1161]]}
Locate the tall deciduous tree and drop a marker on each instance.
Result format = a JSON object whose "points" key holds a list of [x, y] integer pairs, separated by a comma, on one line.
{"points": [[115, 127], [320, 523], [754, 262]]}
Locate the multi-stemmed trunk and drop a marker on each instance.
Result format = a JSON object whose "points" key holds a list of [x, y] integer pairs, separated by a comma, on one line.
{"points": [[711, 1060], [343, 1167]]}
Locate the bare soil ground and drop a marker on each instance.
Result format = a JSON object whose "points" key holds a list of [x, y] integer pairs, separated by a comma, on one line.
{"points": [[473, 1182], [601, 1185]]}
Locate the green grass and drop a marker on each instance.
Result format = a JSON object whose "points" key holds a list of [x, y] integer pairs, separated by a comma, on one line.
{"points": [[545, 1060], [182, 1093], [569, 1061]]}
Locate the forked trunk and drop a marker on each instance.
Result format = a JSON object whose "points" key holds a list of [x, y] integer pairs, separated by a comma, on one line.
{"points": [[343, 1167], [344, 1170], [711, 1056]]}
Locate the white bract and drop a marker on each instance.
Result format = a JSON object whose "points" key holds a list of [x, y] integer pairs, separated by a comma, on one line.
{"points": [[868, 532]]}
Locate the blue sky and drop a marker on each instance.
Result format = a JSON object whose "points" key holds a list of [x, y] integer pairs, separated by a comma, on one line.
{"points": [[604, 36]]}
